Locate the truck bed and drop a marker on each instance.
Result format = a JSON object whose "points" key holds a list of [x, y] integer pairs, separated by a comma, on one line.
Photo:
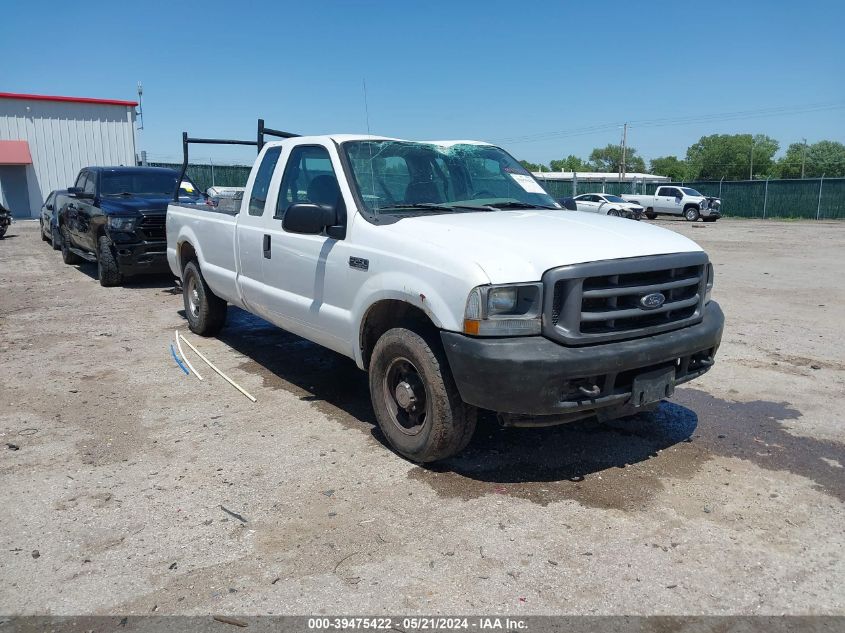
{"points": [[211, 229]]}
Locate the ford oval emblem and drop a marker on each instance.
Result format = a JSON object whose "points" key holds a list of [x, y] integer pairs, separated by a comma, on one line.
{"points": [[652, 301]]}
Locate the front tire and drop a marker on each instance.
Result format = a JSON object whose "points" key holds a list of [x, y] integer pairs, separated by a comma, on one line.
{"points": [[109, 271], [205, 311], [691, 214], [613, 213], [68, 257], [415, 398], [55, 238], [43, 236], [650, 214], [709, 219]]}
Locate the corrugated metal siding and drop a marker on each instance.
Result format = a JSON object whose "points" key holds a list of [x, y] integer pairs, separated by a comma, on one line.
{"points": [[64, 137]]}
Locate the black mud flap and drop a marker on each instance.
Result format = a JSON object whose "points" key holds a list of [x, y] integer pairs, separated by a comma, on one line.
{"points": [[653, 386]]}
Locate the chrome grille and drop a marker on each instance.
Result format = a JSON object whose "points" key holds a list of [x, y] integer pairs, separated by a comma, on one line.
{"points": [[153, 227], [600, 301]]}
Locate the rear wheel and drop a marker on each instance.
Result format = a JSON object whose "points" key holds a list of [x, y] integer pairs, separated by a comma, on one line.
{"points": [[68, 257], [107, 267], [650, 214], [205, 311], [691, 214], [415, 398]]}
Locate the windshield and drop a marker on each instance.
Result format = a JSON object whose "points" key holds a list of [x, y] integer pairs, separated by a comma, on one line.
{"points": [[613, 198], [404, 177], [691, 192], [114, 183]]}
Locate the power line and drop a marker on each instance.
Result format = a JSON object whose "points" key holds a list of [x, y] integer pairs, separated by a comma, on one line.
{"points": [[684, 120]]}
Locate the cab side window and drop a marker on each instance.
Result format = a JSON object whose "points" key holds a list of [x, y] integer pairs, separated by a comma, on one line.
{"points": [[262, 181], [90, 185], [309, 177]]}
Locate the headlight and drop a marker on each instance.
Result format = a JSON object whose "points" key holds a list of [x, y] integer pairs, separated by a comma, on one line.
{"points": [[709, 287], [506, 310], [117, 223]]}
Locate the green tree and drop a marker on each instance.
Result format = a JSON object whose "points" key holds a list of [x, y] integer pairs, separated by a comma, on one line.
{"points": [[533, 166], [609, 159], [670, 166], [823, 158], [729, 156], [570, 163]]}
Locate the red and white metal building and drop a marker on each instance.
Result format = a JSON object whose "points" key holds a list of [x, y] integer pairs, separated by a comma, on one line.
{"points": [[46, 140]]}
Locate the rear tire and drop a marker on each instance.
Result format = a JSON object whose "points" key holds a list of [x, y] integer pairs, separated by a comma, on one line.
{"points": [[415, 398], [650, 214], [205, 311], [68, 257], [109, 271], [691, 214]]}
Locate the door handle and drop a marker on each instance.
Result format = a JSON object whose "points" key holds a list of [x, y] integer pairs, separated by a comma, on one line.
{"points": [[266, 246]]}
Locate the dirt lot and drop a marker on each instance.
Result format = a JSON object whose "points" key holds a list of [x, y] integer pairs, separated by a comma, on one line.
{"points": [[128, 487]]}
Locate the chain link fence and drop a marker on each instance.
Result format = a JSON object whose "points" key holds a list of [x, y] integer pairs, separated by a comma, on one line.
{"points": [[811, 198]]}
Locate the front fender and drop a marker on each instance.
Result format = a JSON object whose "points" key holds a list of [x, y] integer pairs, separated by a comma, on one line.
{"points": [[443, 303]]}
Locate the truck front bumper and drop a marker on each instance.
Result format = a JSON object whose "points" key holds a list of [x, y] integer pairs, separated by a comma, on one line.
{"points": [[142, 258], [534, 376]]}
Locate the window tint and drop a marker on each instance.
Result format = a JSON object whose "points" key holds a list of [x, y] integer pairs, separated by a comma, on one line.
{"points": [[309, 177], [262, 181], [90, 185]]}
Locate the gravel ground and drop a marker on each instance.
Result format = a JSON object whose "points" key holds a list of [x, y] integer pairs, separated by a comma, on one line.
{"points": [[129, 488]]}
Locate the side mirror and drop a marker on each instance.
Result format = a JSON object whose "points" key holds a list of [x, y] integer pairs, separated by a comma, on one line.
{"points": [[309, 218], [49, 207]]}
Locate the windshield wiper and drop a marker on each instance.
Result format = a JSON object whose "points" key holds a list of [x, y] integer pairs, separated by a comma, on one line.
{"points": [[418, 205], [514, 204], [120, 193]]}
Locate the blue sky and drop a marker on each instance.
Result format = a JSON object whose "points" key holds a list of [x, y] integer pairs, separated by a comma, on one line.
{"points": [[489, 70]]}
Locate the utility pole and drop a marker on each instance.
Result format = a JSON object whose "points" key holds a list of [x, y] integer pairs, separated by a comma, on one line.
{"points": [[624, 141], [803, 158], [751, 167]]}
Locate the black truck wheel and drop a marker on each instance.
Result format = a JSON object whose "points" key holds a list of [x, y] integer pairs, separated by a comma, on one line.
{"points": [[415, 399], [205, 311], [650, 214], [68, 257], [107, 268]]}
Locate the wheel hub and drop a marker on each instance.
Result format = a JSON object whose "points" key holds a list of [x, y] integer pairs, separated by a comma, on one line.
{"points": [[405, 396]]}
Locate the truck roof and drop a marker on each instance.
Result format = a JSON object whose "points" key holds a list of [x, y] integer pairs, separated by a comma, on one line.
{"points": [[342, 138]]}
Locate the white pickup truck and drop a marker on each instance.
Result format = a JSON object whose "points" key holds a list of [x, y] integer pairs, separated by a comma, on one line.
{"points": [[675, 200], [448, 273]]}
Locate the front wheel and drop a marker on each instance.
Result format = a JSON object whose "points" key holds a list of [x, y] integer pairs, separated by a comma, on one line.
{"points": [[43, 236], [613, 213], [709, 219], [691, 214], [650, 214], [205, 311], [415, 398], [107, 267], [3, 230]]}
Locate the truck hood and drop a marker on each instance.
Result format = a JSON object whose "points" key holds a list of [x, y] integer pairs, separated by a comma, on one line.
{"points": [[519, 246], [128, 205]]}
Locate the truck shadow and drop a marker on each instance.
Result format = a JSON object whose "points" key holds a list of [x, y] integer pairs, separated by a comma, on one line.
{"points": [[137, 282], [620, 464]]}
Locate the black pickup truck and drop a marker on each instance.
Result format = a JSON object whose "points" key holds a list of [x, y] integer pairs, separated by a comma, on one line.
{"points": [[115, 216]]}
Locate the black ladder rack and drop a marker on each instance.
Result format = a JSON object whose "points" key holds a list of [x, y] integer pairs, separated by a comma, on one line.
{"points": [[258, 143]]}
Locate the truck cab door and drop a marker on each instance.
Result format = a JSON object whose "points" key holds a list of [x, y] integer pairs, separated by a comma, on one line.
{"points": [[86, 210], [249, 233], [305, 277]]}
